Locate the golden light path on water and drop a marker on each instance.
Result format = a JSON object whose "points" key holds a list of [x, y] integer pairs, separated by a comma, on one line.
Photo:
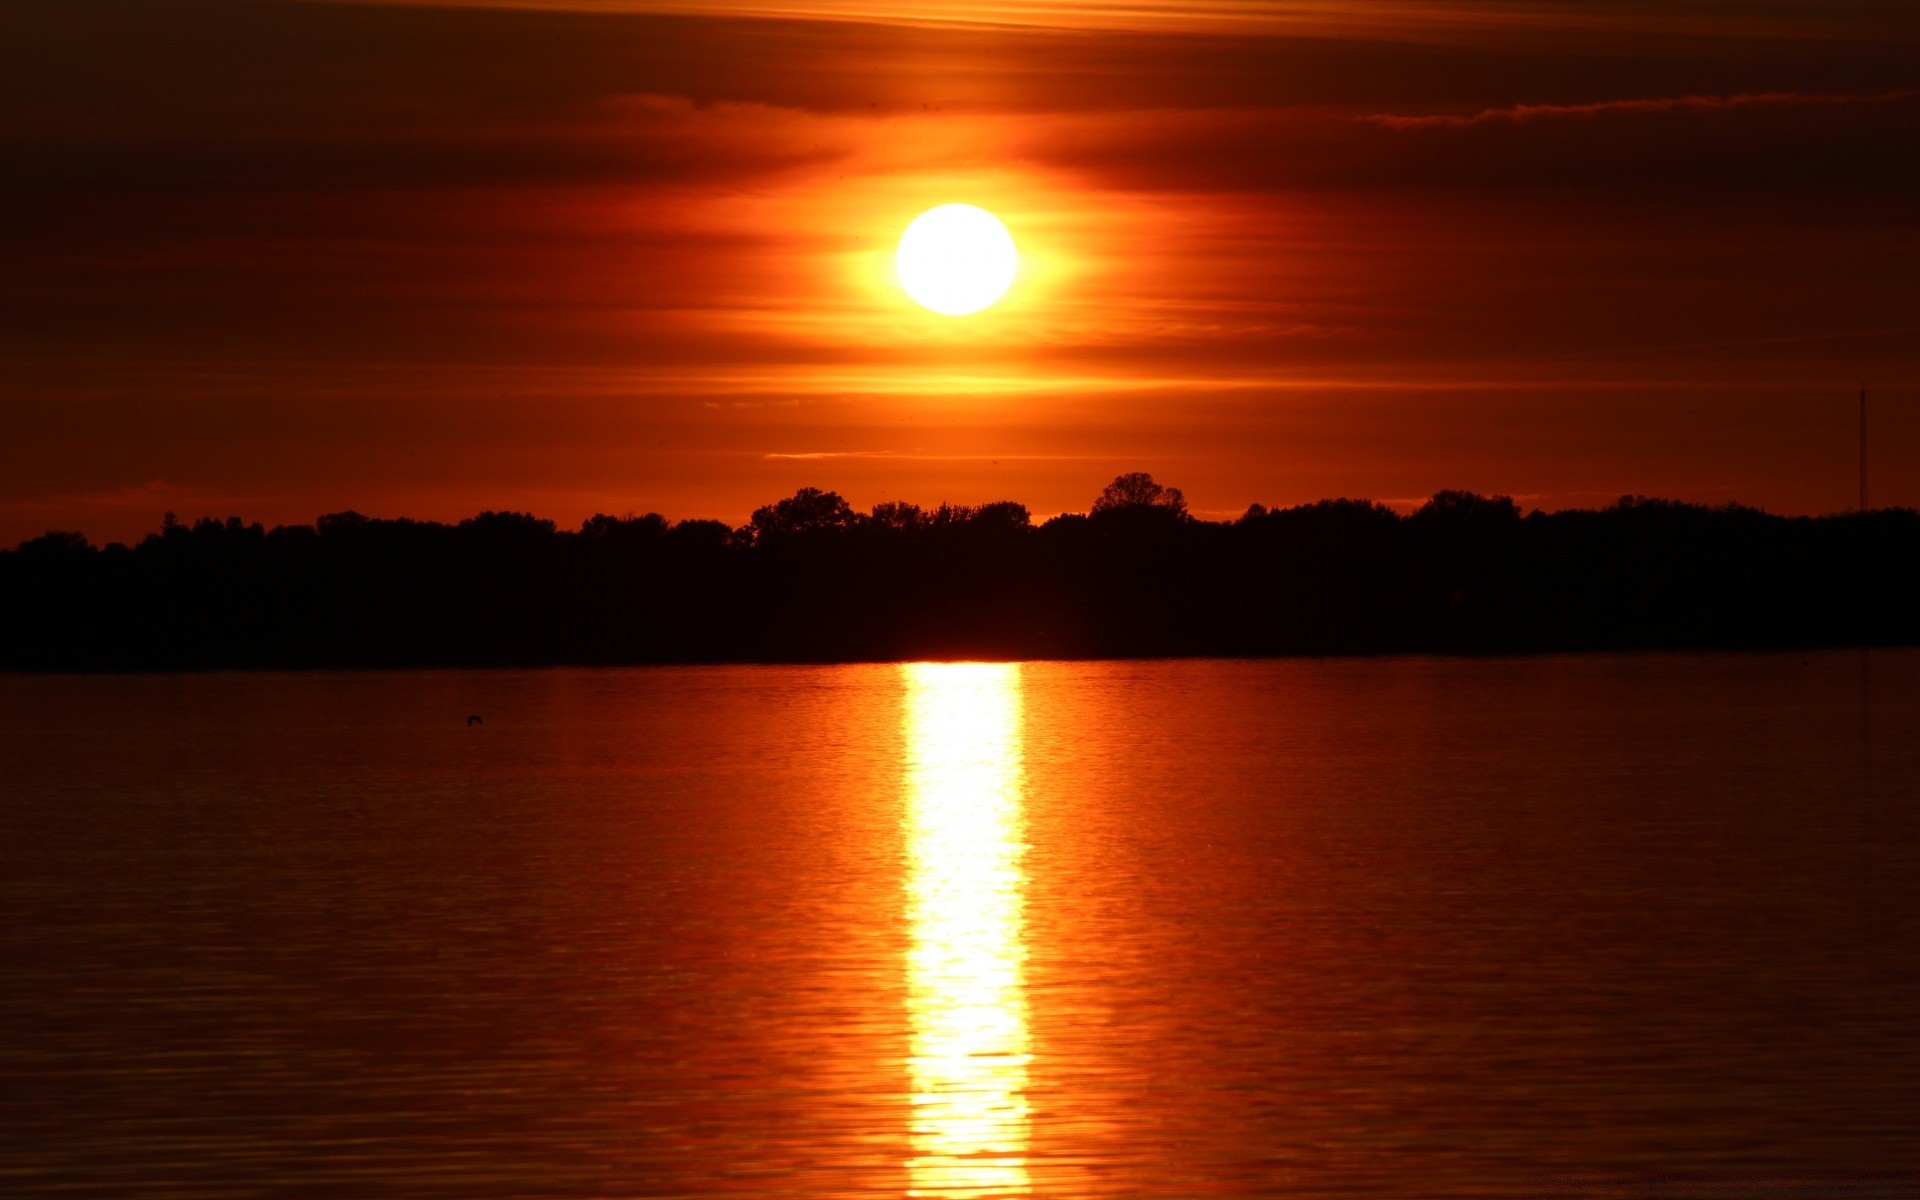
{"points": [[966, 836]]}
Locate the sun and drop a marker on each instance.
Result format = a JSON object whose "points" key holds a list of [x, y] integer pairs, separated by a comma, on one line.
{"points": [[956, 259]]}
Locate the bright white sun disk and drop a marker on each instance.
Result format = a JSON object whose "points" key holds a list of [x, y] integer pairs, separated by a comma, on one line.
{"points": [[956, 259]]}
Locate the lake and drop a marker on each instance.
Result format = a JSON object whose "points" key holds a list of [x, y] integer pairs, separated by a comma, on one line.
{"points": [[1608, 925]]}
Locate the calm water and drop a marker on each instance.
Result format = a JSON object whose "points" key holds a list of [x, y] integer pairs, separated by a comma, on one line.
{"points": [[1578, 926]]}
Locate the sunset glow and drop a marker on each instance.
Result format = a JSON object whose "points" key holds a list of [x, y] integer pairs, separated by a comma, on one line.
{"points": [[979, 600], [1270, 252]]}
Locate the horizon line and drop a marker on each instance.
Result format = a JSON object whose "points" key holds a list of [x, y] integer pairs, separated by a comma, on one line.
{"points": [[1400, 507]]}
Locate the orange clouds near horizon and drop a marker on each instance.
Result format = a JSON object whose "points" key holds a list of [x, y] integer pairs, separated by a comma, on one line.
{"points": [[1469, 20]]}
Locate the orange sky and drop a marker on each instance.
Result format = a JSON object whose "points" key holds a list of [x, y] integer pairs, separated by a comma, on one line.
{"points": [[278, 259]]}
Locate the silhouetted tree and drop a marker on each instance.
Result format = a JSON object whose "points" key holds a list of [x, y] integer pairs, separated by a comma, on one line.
{"points": [[55, 545], [1136, 490], [897, 514], [809, 579], [1003, 514], [508, 525], [1463, 508], [710, 535], [339, 523], [806, 511], [628, 529]]}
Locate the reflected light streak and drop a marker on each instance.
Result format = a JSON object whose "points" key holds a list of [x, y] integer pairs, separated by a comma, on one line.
{"points": [[966, 835]]}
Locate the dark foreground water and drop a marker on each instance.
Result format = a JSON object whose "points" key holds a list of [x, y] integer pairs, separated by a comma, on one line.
{"points": [[1577, 926]]}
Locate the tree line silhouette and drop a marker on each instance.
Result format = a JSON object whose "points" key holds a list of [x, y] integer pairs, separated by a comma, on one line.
{"points": [[809, 578]]}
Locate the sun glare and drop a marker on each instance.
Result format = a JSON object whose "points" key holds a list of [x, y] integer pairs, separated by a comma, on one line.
{"points": [[966, 971], [956, 259]]}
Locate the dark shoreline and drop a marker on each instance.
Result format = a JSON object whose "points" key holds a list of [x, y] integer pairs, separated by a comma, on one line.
{"points": [[811, 581]]}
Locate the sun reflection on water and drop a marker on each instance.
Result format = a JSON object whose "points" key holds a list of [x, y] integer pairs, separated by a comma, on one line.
{"points": [[966, 835]]}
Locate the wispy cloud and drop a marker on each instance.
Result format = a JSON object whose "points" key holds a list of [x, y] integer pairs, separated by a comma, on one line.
{"points": [[1397, 19], [1520, 114], [916, 456]]}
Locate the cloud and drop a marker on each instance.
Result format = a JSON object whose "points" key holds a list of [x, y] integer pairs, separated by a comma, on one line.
{"points": [[1520, 114], [1401, 20], [916, 456]]}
